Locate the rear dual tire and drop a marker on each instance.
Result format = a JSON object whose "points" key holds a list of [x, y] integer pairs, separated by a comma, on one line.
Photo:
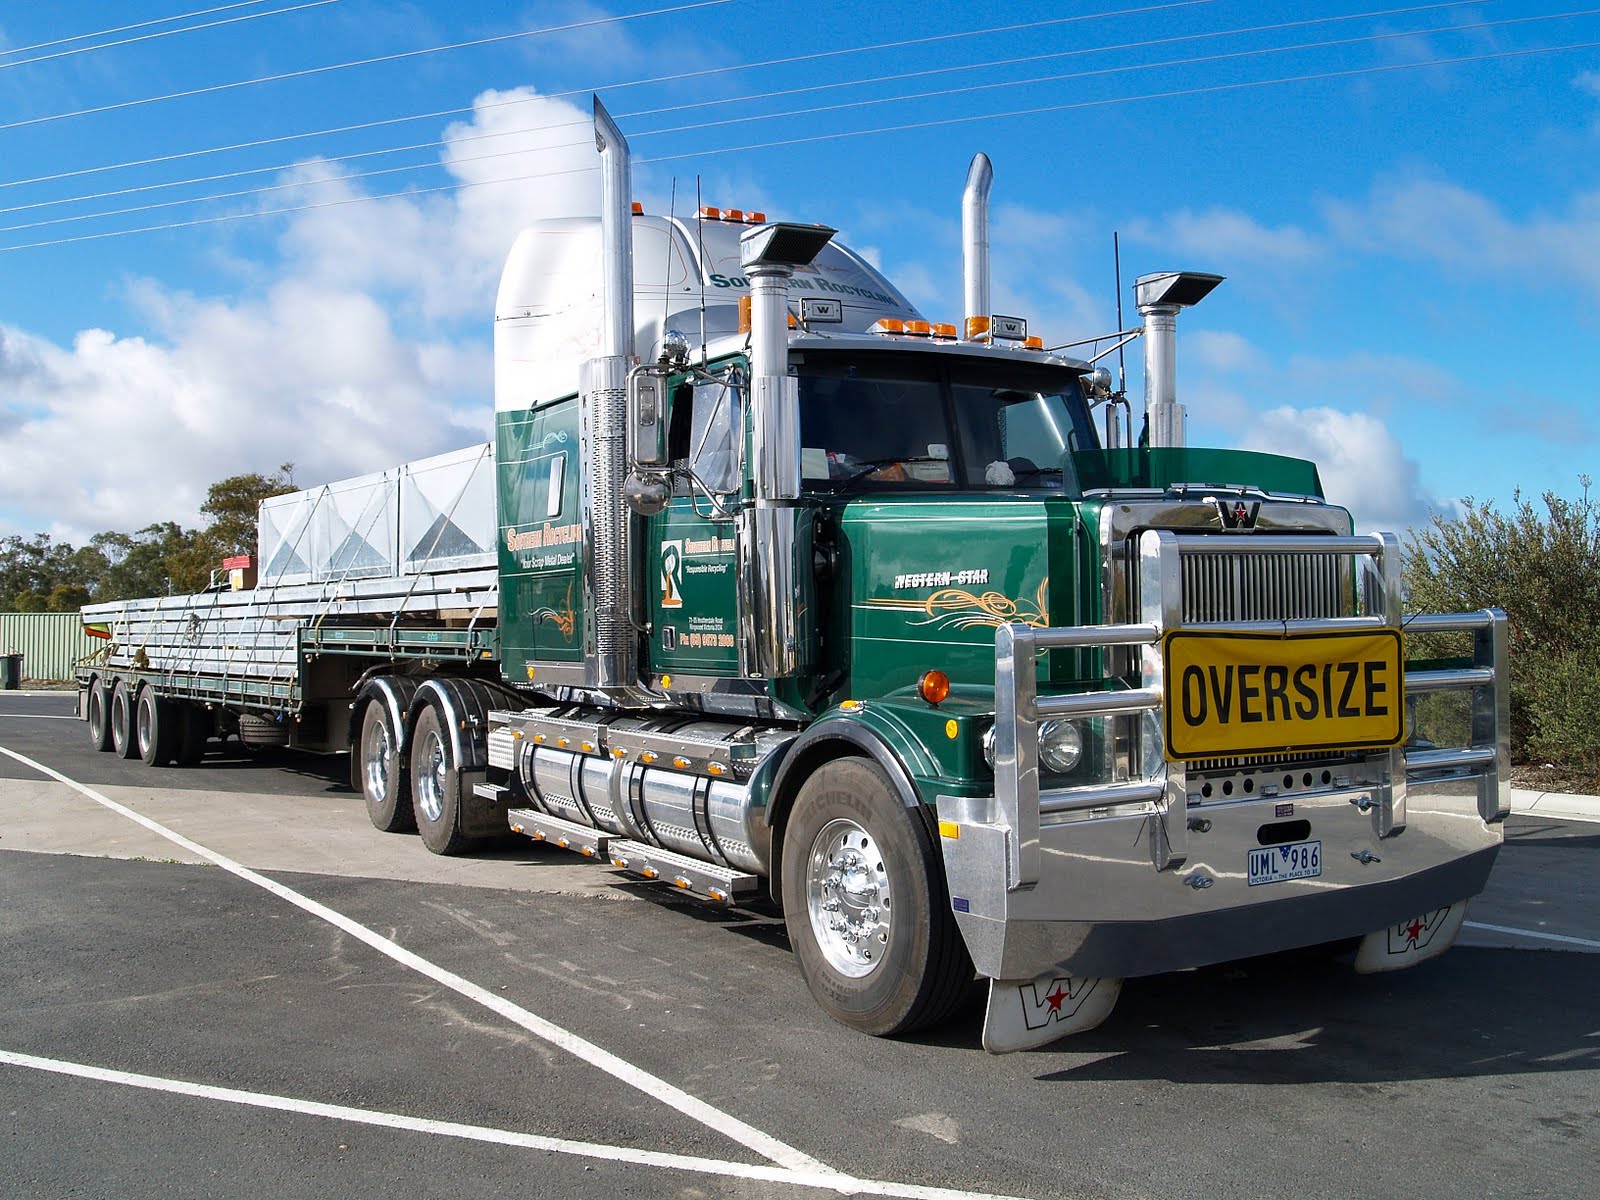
{"points": [[97, 713]]}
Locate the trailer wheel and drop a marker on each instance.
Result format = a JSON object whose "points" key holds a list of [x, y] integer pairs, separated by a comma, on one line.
{"points": [[156, 728], [97, 706], [123, 738], [384, 783], [194, 731], [865, 902], [436, 785]]}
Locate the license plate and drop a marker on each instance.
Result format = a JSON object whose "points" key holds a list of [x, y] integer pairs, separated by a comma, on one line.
{"points": [[1292, 860], [1248, 693]]}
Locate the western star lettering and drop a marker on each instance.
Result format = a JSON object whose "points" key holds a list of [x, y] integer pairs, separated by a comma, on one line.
{"points": [[1250, 693]]}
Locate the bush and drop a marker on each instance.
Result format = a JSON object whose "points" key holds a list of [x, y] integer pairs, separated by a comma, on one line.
{"points": [[1543, 569]]}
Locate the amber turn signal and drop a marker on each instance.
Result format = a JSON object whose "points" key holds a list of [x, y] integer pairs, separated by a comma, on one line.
{"points": [[934, 687]]}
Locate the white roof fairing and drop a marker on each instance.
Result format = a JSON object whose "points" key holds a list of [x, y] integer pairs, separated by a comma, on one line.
{"points": [[686, 278]]}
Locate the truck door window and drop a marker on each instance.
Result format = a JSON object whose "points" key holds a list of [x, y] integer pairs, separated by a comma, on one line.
{"points": [[713, 434]]}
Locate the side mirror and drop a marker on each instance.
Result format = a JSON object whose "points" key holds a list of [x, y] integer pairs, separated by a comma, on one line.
{"points": [[647, 416]]}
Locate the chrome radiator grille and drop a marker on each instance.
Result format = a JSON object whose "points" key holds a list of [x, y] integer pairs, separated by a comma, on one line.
{"points": [[1266, 587]]}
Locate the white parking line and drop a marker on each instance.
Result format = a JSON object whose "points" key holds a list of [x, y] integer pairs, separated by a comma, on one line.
{"points": [[1565, 940], [826, 1179], [37, 717], [690, 1106]]}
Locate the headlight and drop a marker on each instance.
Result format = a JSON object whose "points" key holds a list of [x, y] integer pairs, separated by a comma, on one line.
{"points": [[1060, 746]]}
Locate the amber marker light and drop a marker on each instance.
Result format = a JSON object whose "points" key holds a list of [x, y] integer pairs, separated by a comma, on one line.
{"points": [[977, 327], [1033, 342], [638, 209], [934, 687], [744, 314]]}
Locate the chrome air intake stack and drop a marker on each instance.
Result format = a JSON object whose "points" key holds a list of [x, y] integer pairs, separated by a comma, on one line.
{"points": [[975, 240], [611, 643], [1160, 297], [775, 559]]}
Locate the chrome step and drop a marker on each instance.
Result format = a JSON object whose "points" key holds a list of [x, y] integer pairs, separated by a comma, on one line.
{"points": [[569, 835], [705, 879]]}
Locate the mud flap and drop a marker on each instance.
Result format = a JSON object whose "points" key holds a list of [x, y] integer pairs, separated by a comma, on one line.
{"points": [[1416, 939], [1025, 1013]]}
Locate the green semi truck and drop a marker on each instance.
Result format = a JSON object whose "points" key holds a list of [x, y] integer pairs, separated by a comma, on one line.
{"points": [[772, 590]]}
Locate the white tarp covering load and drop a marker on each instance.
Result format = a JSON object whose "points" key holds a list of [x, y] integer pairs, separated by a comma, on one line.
{"points": [[436, 514], [447, 512]]}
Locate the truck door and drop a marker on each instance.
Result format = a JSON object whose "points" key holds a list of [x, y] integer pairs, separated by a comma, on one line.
{"points": [[694, 605]]}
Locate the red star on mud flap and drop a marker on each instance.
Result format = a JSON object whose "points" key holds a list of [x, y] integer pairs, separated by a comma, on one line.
{"points": [[1415, 933], [1057, 1002]]}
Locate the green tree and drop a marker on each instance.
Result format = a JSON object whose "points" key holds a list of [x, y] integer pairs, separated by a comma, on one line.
{"points": [[30, 569], [231, 504], [1543, 569]]}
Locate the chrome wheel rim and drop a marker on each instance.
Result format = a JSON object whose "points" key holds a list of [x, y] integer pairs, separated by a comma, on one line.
{"points": [[377, 757], [847, 898], [430, 780]]}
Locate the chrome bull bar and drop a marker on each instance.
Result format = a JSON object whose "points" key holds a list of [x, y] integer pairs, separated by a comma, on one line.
{"points": [[1021, 806]]}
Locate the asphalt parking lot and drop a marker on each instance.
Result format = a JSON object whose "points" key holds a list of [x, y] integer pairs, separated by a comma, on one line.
{"points": [[285, 1002]]}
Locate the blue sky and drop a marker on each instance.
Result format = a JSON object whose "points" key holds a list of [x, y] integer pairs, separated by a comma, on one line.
{"points": [[1405, 200]]}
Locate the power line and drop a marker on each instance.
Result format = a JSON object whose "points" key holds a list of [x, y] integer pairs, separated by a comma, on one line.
{"points": [[1277, 27], [83, 37], [363, 62], [1180, 93], [145, 37], [615, 87]]}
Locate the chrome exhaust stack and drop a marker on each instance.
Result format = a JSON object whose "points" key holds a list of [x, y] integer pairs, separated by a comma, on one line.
{"points": [[975, 243], [1160, 297], [611, 650]]}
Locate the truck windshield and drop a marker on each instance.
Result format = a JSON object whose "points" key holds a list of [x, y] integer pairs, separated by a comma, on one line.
{"points": [[894, 421]]}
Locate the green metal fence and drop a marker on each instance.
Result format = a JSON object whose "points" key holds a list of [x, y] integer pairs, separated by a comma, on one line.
{"points": [[48, 642]]}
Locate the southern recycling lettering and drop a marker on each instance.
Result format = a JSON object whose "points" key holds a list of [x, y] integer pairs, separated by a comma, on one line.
{"points": [[1251, 694], [799, 284]]}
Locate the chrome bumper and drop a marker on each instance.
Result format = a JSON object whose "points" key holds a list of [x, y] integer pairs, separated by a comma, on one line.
{"points": [[1101, 908], [1141, 874]]}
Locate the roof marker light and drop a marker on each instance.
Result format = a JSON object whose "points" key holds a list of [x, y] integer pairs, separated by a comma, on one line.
{"points": [[918, 328], [888, 325], [638, 209], [977, 327], [1033, 343], [710, 212], [941, 330]]}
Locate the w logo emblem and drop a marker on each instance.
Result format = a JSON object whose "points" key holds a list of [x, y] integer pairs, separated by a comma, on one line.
{"points": [[1236, 514]]}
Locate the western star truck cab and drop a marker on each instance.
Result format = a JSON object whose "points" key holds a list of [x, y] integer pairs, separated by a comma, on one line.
{"points": [[769, 588]]}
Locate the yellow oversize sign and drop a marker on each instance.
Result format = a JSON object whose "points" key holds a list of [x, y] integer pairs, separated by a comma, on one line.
{"points": [[1246, 693]]}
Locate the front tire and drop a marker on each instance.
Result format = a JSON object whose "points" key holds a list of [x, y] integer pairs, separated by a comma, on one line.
{"points": [[385, 785], [866, 905], [124, 740], [436, 785]]}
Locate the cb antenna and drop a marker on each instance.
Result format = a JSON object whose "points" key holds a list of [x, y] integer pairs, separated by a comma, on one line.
{"points": [[1122, 358], [700, 237]]}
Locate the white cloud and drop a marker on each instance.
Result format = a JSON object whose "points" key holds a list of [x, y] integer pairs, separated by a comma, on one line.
{"points": [[1220, 235], [362, 346], [1468, 234], [1361, 462]]}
